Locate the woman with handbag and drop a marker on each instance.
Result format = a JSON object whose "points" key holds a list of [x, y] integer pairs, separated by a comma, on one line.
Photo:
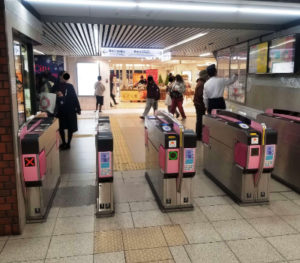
{"points": [[177, 91]]}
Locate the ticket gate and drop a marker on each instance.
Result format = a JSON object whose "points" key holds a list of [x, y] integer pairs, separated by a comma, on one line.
{"points": [[239, 155], [287, 125], [39, 142], [104, 157], [170, 161]]}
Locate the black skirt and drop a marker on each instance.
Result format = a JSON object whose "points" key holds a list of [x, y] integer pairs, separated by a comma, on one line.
{"points": [[216, 103], [68, 121]]}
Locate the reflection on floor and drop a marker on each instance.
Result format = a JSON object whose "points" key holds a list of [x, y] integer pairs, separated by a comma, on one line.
{"points": [[217, 230]]}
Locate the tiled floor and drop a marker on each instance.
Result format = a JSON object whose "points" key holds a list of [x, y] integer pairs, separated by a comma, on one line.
{"points": [[217, 230]]}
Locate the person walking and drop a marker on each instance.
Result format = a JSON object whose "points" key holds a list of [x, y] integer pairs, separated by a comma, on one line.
{"points": [[99, 92], [199, 103], [168, 94], [214, 89], [112, 91], [177, 91], [67, 106], [153, 95]]}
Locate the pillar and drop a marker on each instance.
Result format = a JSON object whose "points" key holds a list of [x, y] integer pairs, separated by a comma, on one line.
{"points": [[9, 216]]}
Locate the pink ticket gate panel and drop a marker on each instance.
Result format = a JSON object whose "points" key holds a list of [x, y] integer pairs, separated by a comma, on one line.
{"points": [[239, 155], [104, 151], [40, 165], [287, 165], [169, 166]]}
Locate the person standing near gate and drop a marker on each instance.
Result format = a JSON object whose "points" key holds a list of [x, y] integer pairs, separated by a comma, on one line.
{"points": [[153, 95], [99, 92], [214, 89]]}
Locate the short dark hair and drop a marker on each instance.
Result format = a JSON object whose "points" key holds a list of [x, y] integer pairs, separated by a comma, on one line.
{"points": [[150, 78], [141, 76], [66, 76], [178, 78], [99, 78], [171, 78], [211, 70]]}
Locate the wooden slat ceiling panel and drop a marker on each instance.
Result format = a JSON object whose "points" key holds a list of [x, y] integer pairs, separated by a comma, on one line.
{"points": [[80, 39]]}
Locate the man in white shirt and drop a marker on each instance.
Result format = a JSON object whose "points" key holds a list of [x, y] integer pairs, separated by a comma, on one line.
{"points": [[99, 92], [214, 89]]}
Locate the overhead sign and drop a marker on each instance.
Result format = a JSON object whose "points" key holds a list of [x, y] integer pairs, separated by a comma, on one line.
{"points": [[166, 56], [131, 52]]}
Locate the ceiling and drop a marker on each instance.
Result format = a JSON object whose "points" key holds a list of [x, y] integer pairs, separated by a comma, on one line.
{"points": [[83, 30]]}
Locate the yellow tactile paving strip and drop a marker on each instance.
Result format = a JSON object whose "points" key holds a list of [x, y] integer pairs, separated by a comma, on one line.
{"points": [[108, 241], [148, 255], [148, 244], [122, 157]]}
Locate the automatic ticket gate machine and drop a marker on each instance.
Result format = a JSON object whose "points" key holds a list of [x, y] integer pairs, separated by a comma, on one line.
{"points": [[170, 161], [239, 155], [287, 125], [40, 163], [104, 162]]}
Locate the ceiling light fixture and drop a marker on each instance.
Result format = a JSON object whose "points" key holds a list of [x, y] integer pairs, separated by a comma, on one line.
{"points": [[39, 52], [185, 41], [86, 3], [186, 7], [269, 11], [205, 54], [201, 7]]}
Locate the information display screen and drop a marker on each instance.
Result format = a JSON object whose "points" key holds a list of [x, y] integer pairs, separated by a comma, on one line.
{"points": [[238, 65], [282, 55], [258, 58]]}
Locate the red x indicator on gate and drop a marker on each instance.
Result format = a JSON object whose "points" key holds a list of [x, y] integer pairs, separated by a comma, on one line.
{"points": [[29, 161]]}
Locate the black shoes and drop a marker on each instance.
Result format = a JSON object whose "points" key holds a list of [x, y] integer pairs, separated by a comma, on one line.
{"points": [[142, 117]]}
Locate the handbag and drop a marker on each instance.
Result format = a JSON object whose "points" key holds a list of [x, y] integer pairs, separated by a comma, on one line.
{"points": [[168, 100]]}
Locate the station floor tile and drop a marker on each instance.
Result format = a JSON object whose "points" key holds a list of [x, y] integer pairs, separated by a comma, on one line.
{"points": [[187, 217], [108, 241], [287, 245], [285, 208], [77, 259], [235, 229], [272, 226], [220, 212], [254, 250], [71, 245], [115, 257], [142, 238], [25, 249], [118, 221], [174, 235], [149, 255], [294, 221], [143, 206], [211, 253], [200, 233], [150, 218], [74, 225], [179, 254]]}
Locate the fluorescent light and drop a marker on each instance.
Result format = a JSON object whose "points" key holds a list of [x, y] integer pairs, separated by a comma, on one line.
{"points": [[283, 43], [187, 7], [269, 11], [186, 40], [86, 2], [96, 36], [39, 52], [205, 54], [159, 5]]}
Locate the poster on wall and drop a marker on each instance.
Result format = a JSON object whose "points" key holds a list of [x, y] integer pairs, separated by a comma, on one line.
{"points": [[153, 73], [52, 64], [238, 65], [258, 58], [282, 55]]}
